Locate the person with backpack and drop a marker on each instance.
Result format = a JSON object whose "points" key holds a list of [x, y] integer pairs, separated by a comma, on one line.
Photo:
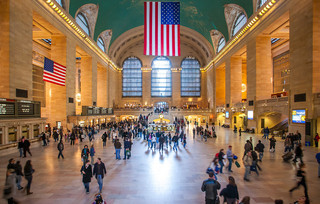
{"points": [[221, 158], [230, 193], [211, 186], [85, 154], [60, 148], [26, 147], [28, 171], [260, 149]]}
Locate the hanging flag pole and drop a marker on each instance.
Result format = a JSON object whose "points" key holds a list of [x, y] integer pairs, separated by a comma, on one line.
{"points": [[162, 28]]}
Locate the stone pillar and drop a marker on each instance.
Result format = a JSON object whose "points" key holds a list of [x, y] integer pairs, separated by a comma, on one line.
{"points": [[220, 81], [102, 86], [112, 87], [244, 79], [86, 80], [5, 133], [94, 80], [56, 94], [146, 87], [30, 126], [210, 87], [204, 101], [235, 79], [16, 47], [71, 77], [176, 88], [301, 58]]}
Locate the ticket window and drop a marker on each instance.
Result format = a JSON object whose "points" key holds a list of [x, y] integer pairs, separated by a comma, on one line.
{"points": [[1, 135], [25, 131], [12, 134], [36, 131]]}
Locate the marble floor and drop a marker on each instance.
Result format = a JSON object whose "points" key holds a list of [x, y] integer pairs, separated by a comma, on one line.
{"points": [[149, 177]]}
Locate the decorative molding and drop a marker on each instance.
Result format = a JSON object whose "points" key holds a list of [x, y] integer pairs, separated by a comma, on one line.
{"points": [[231, 12], [215, 37], [91, 12], [106, 36]]}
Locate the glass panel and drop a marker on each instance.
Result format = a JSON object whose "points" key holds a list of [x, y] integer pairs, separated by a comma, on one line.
{"points": [[241, 21], [101, 44], [190, 77], [261, 2], [221, 44], [161, 77], [132, 78], [83, 23], [60, 3]]}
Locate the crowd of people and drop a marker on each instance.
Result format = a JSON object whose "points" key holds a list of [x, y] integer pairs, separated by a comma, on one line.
{"points": [[122, 135]]}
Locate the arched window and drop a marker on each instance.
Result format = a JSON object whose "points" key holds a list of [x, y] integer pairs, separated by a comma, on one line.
{"points": [[261, 2], [83, 23], [190, 77], [161, 77], [101, 44], [240, 21], [61, 3], [221, 44], [132, 78]]}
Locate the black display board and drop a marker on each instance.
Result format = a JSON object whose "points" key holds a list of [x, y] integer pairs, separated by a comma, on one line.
{"points": [[6, 108], [11, 108], [25, 108]]}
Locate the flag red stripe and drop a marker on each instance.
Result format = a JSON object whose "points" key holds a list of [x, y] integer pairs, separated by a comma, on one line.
{"points": [[150, 28], [51, 81], [59, 66], [168, 40], [145, 28], [156, 34], [173, 40], [52, 76], [179, 51], [162, 41]]}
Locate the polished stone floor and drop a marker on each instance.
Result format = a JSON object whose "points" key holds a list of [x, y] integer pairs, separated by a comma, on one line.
{"points": [[149, 177]]}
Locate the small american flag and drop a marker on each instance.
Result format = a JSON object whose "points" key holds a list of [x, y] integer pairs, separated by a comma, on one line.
{"points": [[162, 28], [54, 72]]}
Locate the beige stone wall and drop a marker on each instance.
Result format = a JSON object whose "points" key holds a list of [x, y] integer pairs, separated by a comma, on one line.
{"points": [[220, 81]]}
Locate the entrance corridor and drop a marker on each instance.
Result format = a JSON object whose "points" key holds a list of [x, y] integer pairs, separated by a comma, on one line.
{"points": [[149, 177]]}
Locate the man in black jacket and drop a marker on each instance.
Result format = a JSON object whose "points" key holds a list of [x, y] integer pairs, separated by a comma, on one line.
{"points": [[60, 148], [260, 149], [26, 147], [211, 187], [99, 171]]}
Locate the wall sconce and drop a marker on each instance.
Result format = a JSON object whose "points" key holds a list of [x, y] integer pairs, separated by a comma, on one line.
{"points": [[78, 97]]}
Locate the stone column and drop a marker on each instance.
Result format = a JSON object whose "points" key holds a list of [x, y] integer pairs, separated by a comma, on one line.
{"points": [[94, 80], [71, 77], [146, 87], [86, 80], [176, 88], [102, 86], [235, 79], [5, 131], [302, 59], [220, 96], [16, 47], [30, 126], [56, 94]]}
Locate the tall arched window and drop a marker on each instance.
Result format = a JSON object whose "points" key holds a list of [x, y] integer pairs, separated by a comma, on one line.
{"points": [[261, 2], [61, 3], [221, 44], [239, 23], [190, 77], [132, 78], [83, 23], [161, 77], [101, 44]]}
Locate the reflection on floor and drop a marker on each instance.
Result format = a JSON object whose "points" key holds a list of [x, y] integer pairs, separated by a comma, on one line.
{"points": [[149, 177]]}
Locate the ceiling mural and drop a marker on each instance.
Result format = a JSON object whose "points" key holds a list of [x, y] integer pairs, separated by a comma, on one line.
{"points": [[123, 15]]}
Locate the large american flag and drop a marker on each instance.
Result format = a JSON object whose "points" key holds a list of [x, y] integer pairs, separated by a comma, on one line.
{"points": [[162, 28], [54, 72]]}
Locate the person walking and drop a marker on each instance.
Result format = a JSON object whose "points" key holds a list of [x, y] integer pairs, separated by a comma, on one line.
{"points": [[20, 147], [194, 132], [92, 153], [117, 146], [184, 140], [230, 193], [104, 139], [318, 160], [230, 158], [272, 144], [287, 145], [85, 154], [161, 142], [28, 171], [221, 158], [316, 140], [247, 147], [86, 171], [240, 131], [127, 147], [298, 153], [26, 147], [153, 142], [301, 177], [19, 175], [247, 162], [9, 190], [175, 141], [260, 149], [99, 171], [210, 186], [60, 148]]}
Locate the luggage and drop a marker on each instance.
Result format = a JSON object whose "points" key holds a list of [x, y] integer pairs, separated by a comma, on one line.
{"points": [[237, 164], [287, 156]]}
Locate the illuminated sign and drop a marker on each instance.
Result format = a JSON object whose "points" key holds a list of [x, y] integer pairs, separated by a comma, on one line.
{"points": [[299, 116], [250, 114]]}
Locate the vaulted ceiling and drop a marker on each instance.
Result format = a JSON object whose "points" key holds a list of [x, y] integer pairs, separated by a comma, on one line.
{"points": [[123, 15]]}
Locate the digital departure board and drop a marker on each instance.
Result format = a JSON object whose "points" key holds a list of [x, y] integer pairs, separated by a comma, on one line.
{"points": [[25, 108], [103, 111], [6, 108], [89, 110], [96, 111]]}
